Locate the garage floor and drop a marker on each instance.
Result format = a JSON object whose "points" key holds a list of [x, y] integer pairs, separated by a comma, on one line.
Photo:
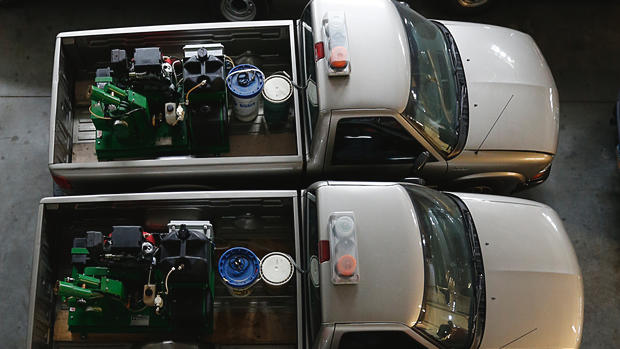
{"points": [[580, 42]]}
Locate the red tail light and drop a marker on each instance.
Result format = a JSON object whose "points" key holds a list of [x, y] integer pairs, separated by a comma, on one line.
{"points": [[62, 182], [319, 51], [323, 251]]}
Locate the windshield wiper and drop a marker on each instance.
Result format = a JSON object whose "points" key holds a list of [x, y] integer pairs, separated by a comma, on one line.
{"points": [[462, 125], [479, 284], [459, 73]]}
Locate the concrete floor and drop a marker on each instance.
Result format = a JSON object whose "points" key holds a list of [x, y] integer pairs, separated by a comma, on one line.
{"points": [[580, 42]]}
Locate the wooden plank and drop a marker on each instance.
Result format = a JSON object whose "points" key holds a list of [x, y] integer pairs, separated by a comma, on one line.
{"points": [[262, 144], [262, 326], [61, 327]]}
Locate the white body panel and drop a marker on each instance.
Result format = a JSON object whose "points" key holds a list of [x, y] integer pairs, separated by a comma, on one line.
{"points": [[379, 57], [389, 244], [533, 281], [503, 65]]}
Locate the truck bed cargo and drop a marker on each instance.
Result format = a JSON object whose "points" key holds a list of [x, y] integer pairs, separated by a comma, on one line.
{"points": [[263, 222], [253, 146]]}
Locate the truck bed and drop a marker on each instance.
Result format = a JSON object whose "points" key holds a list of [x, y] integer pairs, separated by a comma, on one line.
{"points": [[270, 45], [263, 222]]}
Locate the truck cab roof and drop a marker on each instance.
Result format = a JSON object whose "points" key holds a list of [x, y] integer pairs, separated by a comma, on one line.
{"points": [[379, 57], [392, 243]]}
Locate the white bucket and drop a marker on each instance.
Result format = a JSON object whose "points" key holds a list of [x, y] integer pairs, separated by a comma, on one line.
{"points": [[276, 269], [245, 83]]}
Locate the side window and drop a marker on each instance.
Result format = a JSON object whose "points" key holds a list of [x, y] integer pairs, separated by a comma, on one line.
{"points": [[373, 140], [311, 96], [378, 339]]}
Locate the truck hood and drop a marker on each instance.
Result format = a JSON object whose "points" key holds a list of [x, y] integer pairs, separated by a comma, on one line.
{"points": [[534, 291], [513, 101]]}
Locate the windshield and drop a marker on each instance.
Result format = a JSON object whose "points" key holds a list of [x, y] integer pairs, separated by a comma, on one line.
{"points": [[433, 104], [449, 301]]}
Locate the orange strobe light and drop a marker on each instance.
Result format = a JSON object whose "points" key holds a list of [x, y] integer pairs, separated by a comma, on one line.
{"points": [[346, 265], [339, 57]]}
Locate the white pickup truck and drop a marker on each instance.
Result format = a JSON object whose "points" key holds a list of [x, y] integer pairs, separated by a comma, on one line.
{"points": [[377, 265], [393, 95]]}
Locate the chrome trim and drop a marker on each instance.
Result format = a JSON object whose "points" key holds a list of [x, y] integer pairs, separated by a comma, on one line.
{"points": [[35, 276], [54, 99], [297, 222], [189, 195], [175, 27]]}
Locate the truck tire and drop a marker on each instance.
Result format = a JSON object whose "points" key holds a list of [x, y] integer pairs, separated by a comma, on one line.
{"points": [[468, 7], [241, 10]]}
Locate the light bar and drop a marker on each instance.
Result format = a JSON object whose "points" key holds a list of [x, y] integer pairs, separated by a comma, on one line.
{"points": [[343, 246], [336, 37]]}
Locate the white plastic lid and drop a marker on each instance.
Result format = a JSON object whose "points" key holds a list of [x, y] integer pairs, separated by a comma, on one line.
{"points": [[311, 93], [276, 269], [314, 271], [343, 227], [277, 88]]}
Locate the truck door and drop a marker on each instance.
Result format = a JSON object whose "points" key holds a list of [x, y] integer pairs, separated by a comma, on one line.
{"points": [[375, 145]]}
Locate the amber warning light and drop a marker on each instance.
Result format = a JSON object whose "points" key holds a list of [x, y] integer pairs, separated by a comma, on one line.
{"points": [[339, 59]]}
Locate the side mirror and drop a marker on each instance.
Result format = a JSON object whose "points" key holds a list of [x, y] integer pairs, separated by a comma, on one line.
{"points": [[420, 161]]}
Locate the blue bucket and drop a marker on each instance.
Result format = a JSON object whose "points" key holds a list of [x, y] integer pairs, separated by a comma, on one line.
{"points": [[245, 83], [239, 269]]}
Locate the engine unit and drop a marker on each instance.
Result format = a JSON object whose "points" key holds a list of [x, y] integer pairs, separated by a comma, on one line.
{"points": [[151, 105], [129, 280]]}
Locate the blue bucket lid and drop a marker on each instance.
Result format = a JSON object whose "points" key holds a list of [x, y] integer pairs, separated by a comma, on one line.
{"points": [[239, 267], [245, 85]]}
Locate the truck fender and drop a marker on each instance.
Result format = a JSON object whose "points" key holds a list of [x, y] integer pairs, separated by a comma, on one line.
{"points": [[489, 182]]}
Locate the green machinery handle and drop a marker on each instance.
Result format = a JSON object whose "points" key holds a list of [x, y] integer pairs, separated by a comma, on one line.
{"points": [[100, 95], [90, 281], [67, 289], [115, 89]]}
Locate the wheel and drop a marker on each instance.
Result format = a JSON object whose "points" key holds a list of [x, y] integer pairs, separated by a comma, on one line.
{"points": [[495, 186], [468, 6], [242, 10]]}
